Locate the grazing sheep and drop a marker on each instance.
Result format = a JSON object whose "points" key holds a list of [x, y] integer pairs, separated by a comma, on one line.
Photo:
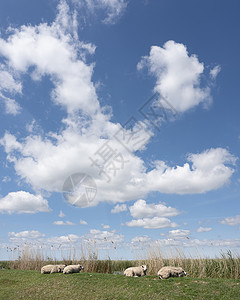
{"points": [[136, 271], [52, 269], [72, 269], [167, 272]]}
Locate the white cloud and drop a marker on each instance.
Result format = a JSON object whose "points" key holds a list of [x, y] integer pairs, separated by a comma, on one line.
{"points": [[97, 239], [23, 202], [64, 239], [204, 229], [208, 170], [141, 209], [112, 9], [119, 208], [9, 87], [36, 47], [178, 76], [231, 243], [231, 221], [160, 244], [216, 243], [141, 239], [83, 222], [11, 106], [66, 20], [204, 172], [63, 223], [33, 127], [11, 145], [8, 83], [215, 71], [105, 226], [179, 233], [61, 214], [33, 234], [153, 223], [104, 239], [45, 161], [140, 242], [115, 8], [6, 179]]}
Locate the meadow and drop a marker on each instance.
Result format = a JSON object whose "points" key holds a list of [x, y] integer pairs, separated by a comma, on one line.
{"points": [[207, 278], [27, 284]]}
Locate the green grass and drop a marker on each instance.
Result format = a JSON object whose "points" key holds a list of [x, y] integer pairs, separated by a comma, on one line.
{"points": [[22, 284]]}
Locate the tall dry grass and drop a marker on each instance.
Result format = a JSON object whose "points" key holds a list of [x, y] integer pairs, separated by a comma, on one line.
{"points": [[225, 266]]}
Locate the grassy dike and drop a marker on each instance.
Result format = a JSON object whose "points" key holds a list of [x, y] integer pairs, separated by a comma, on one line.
{"points": [[28, 284]]}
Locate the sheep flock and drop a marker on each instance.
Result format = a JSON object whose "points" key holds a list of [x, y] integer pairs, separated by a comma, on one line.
{"points": [[163, 273]]}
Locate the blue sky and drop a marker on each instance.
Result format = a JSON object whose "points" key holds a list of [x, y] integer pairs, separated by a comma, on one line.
{"points": [[76, 81]]}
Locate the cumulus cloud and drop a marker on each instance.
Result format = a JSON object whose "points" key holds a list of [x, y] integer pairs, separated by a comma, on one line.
{"points": [[204, 229], [154, 223], [178, 76], [141, 209], [33, 234], [50, 50], [231, 221], [23, 202], [205, 171], [35, 154], [119, 208], [46, 160]]}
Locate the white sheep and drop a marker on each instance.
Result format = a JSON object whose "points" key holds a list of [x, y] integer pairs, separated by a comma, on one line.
{"points": [[72, 269], [52, 269], [136, 271], [167, 272], [58, 269]]}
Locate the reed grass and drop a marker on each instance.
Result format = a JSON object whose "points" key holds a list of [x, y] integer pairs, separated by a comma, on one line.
{"points": [[227, 265]]}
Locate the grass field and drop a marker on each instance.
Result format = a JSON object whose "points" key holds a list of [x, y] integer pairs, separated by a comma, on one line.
{"points": [[27, 284]]}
